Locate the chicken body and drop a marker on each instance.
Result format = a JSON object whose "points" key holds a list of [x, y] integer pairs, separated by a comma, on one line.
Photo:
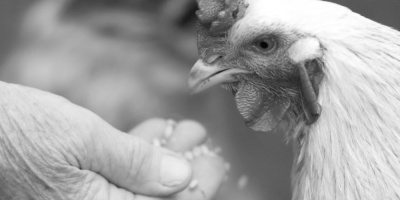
{"points": [[352, 150]]}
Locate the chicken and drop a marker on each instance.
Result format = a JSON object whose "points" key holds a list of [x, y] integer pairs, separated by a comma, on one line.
{"points": [[127, 64], [327, 74]]}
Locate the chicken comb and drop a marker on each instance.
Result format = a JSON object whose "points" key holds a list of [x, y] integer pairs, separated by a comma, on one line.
{"points": [[220, 15]]}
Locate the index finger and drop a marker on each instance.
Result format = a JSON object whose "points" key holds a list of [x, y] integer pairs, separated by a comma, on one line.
{"points": [[150, 129]]}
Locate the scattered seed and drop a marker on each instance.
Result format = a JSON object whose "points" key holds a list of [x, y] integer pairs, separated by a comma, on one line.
{"points": [[242, 182], [189, 155], [163, 142], [157, 142], [171, 122], [193, 185], [197, 152], [168, 132], [218, 150], [169, 128], [213, 154], [205, 149], [172, 140]]}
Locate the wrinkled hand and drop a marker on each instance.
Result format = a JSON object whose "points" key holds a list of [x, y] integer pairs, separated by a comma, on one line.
{"points": [[53, 149]]}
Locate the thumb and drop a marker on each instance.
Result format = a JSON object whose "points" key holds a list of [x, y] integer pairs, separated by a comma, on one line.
{"points": [[132, 163]]}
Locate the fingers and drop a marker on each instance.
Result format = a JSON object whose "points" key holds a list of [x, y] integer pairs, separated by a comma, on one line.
{"points": [[187, 134], [209, 172], [132, 163], [150, 129], [208, 169]]}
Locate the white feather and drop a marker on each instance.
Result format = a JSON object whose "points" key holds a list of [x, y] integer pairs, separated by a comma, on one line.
{"points": [[353, 151], [297, 54]]}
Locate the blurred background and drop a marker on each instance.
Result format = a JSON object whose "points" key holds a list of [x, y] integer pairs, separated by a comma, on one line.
{"points": [[128, 60]]}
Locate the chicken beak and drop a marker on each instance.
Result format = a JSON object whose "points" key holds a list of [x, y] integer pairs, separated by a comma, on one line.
{"points": [[204, 75]]}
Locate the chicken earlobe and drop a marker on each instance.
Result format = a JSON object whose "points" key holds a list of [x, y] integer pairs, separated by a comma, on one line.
{"points": [[306, 54], [310, 78]]}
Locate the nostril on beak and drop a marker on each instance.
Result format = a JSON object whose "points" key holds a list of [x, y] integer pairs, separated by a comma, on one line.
{"points": [[213, 58]]}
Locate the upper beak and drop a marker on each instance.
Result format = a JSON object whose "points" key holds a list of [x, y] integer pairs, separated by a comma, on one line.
{"points": [[204, 75]]}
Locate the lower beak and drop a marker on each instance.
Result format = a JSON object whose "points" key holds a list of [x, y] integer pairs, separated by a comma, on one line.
{"points": [[204, 76]]}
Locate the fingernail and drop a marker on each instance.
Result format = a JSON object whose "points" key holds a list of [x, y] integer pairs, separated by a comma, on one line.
{"points": [[174, 171]]}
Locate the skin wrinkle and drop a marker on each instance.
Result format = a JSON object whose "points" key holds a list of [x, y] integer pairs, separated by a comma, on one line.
{"points": [[72, 154], [69, 157], [94, 164], [76, 153], [44, 125], [143, 168], [136, 153], [95, 191], [29, 145], [133, 162], [89, 184], [27, 165], [57, 125], [5, 168], [43, 175], [13, 150], [16, 133]]}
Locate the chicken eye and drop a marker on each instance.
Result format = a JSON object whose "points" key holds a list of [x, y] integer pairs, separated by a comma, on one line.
{"points": [[265, 44]]}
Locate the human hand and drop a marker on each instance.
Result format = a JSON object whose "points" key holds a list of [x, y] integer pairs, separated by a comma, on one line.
{"points": [[53, 149], [188, 138]]}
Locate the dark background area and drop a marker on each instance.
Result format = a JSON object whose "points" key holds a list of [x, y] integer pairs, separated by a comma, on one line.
{"points": [[11, 13], [263, 157]]}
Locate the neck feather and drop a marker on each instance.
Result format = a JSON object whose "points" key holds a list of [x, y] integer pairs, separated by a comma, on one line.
{"points": [[353, 151]]}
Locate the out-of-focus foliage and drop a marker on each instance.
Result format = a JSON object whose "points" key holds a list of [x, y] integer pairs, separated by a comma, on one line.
{"points": [[128, 60]]}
